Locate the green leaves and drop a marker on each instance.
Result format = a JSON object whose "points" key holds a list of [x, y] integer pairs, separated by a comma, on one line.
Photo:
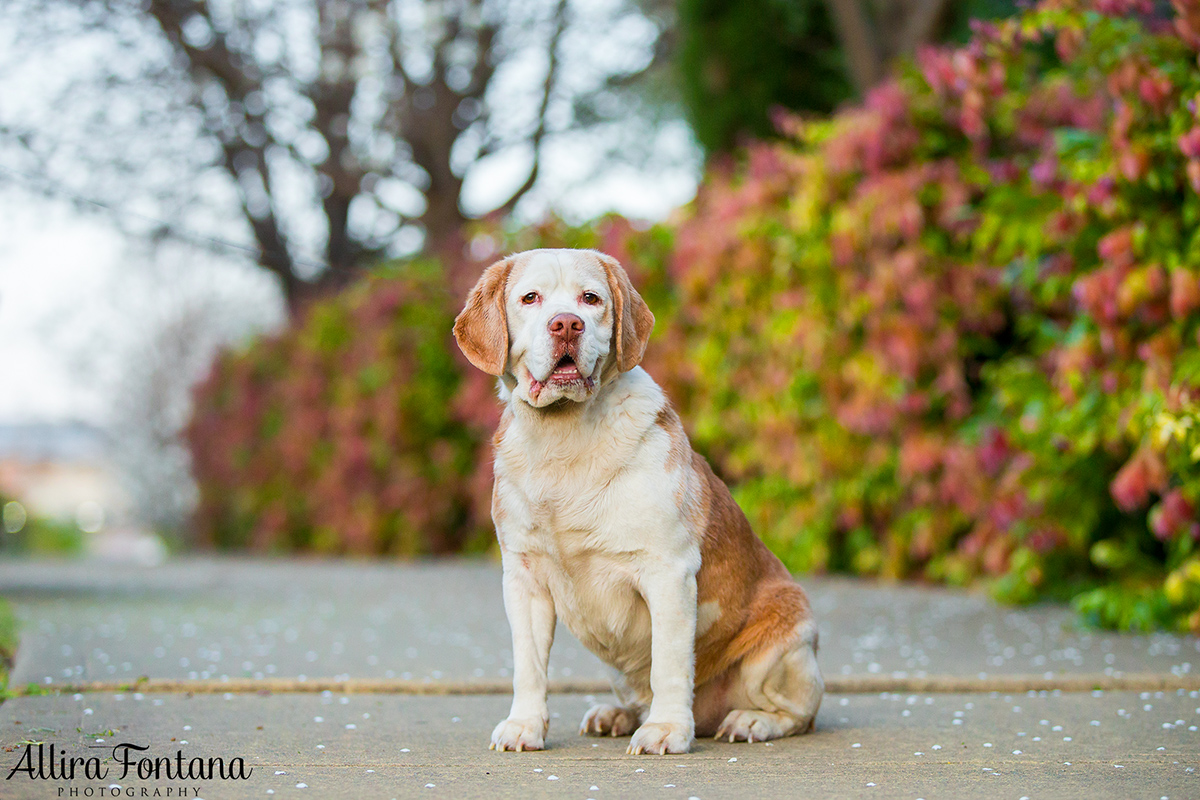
{"points": [[1000, 241]]}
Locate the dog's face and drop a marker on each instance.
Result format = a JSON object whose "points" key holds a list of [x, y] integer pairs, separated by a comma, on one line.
{"points": [[560, 315], [555, 324]]}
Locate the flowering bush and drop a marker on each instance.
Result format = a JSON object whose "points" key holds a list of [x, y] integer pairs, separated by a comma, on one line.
{"points": [[336, 436], [953, 333]]}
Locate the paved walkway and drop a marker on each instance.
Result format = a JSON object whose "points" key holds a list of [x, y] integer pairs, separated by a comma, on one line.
{"points": [[434, 626]]}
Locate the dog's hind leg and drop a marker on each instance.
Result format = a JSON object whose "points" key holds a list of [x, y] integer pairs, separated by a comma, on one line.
{"points": [[609, 720], [605, 719], [776, 691]]}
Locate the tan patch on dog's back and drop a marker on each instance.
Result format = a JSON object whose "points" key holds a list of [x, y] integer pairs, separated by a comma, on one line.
{"points": [[680, 451]]}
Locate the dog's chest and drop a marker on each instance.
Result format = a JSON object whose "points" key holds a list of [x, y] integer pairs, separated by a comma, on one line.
{"points": [[590, 489], [579, 527], [596, 596], [585, 531]]}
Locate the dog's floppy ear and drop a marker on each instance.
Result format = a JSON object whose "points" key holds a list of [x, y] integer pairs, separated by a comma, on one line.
{"points": [[481, 329], [633, 320]]}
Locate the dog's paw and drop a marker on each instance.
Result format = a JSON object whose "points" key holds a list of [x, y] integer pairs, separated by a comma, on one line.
{"points": [[606, 720], [753, 726], [661, 738], [519, 734]]}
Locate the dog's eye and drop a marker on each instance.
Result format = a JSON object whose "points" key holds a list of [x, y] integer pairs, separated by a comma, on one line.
{"points": [[591, 298], [530, 298]]}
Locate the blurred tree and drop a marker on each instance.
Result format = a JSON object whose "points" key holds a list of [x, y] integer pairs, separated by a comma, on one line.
{"points": [[740, 59], [186, 312], [344, 126]]}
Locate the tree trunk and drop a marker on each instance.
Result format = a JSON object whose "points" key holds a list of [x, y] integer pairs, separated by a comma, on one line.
{"points": [[871, 48], [862, 50]]}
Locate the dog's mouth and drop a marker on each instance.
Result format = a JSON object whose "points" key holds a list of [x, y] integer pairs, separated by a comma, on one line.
{"points": [[565, 373]]}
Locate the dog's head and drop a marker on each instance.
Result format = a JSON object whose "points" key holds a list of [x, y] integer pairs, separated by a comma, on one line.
{"points": [[555, 324]]}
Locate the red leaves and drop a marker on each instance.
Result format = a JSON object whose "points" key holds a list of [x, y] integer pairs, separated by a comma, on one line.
{"points": [[1055, 105], [1185, 292], [1096, 293], [1187, 21], [994, 451], [967, 83], [1155, 89], [1124, 8], [1144, 473], [1189, 145], [1116, 248], [1136, 78], [321, 440], [1102, 194], [1118, 290], [920, 454], [1174, 514], [875, 137]]}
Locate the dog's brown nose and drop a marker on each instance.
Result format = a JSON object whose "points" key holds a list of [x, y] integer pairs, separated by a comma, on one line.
{"points": [[565, 326]]}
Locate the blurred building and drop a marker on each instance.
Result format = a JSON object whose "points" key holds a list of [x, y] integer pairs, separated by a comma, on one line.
{"points": [[60, 470], [63, 471]]}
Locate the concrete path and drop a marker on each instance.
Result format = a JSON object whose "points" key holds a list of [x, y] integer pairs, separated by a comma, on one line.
{"points": [[202, 619], [441, 624]]}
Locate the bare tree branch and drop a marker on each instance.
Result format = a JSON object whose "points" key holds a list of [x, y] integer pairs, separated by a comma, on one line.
{"points": [[539, 132], [332, 94], [485, 68], [399, 92], [238, 78]]}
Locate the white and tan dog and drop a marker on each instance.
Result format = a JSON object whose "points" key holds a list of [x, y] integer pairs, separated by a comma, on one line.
{"points": [[608, 519]]}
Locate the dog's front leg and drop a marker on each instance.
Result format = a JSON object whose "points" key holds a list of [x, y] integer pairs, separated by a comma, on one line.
{"points": [[530, 611], [670, 594]]}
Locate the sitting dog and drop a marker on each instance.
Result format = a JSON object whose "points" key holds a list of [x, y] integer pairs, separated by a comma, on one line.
{"points": [[607, 519]]}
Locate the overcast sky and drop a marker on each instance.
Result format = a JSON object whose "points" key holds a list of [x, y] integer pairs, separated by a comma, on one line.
{"points": [[51, 264]]}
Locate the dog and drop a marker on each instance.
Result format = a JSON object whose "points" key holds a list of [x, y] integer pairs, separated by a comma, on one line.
{"points": [[607, 519]]}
